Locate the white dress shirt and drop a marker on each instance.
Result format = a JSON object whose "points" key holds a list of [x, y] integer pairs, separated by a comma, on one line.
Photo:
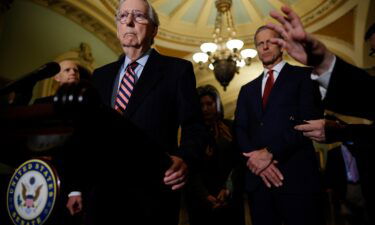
{"points": [[324, 78], [276, 71]]}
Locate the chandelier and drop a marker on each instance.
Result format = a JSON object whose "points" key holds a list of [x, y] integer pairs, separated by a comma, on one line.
{"points": [[223, 56]]}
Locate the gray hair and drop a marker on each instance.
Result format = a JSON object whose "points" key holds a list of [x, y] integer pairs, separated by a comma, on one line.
{"points": [[261, 28], [151, 13]]}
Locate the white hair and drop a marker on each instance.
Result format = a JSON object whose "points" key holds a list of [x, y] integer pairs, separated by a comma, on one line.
{"points": [[151, 12]]}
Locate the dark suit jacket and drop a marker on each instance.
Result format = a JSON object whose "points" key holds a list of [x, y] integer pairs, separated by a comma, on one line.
{"points": [[351, 91], [163, 99], [335, 172], [293, 95]]}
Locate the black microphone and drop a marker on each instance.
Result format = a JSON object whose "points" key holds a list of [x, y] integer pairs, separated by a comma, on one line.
{"points": [[47, 70]]}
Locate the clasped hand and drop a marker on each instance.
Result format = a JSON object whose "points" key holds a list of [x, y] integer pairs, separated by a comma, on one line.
{"points": [[261, 163]]}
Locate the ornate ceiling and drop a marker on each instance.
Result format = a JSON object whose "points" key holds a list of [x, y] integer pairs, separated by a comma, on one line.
{"points": [[185, 24]]}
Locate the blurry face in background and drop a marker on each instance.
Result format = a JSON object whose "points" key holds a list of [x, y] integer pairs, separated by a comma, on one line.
{"points": [[209, 109], [69, 73], [270, 54]]}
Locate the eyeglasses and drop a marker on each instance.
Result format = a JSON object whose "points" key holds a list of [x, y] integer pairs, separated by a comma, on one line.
{"points": [[138, 16]]}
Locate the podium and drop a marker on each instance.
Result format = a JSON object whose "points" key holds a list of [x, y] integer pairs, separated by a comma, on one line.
{"points": [[32, 138], [83, 141]]}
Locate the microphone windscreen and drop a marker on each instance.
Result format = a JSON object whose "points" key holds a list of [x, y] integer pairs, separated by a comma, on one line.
{"points": [[47, 70]]}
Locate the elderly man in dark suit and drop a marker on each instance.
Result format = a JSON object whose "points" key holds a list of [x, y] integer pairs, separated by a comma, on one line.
{"points": [[157, 94], [268, 108]]}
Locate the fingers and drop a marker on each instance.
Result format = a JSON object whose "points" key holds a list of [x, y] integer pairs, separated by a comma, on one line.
{"points": [[259, 168], [278, 174], [246, 154], [265, 180], [178, 165], [175, 178], [306, 127], [176, 175], [292, 16], [279, 29], [272, 176], [178, 186], [223, 194], [315, 129], [258, 171], [277, 16], [254, 165], [171, 169], [315, 135]]}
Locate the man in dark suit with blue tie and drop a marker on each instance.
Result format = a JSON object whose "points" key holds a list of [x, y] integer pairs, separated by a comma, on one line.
{"points": [[282, 179], [157, 94]]}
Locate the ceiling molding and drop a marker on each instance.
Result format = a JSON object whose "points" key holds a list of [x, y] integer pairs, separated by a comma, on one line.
{"points": [[342, 28], [82, 17], [97, 17], [321, 11], [339, 47], [111, 5]]}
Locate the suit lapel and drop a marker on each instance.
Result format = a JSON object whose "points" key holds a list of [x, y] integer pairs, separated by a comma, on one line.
{"points": [[258, 96], [110, 83], [277, 86], [148, 79]]}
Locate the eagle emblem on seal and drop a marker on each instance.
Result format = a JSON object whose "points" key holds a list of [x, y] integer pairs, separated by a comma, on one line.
{"points": [[29, 195]]}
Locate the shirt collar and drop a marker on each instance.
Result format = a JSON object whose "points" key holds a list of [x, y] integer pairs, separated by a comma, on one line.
{"points": [[277, 68], [141, 61]]}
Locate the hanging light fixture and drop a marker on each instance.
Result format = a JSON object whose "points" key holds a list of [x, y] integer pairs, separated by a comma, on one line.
{"points": [[223, 56]]}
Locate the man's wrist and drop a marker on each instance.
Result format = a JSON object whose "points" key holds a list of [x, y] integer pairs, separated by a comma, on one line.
{"points": [[326, 63]]}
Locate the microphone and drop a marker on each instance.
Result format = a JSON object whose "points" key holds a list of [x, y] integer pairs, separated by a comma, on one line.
{"points": [[45, 71]]}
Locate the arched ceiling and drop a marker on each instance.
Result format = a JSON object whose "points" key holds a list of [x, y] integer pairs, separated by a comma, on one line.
{"points": [[185, 24], [188, 23]]}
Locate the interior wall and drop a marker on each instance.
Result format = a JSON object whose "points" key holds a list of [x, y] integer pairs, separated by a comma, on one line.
{"points": [[33, 35], [369, 61]]}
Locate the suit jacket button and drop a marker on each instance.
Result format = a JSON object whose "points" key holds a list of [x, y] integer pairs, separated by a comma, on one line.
{"points": [[261, 124]]}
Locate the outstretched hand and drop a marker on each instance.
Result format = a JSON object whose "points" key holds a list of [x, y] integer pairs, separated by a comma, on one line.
{"points": [[299, 44]]}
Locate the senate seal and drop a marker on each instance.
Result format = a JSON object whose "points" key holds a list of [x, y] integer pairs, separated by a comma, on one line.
{"points": [[32, 193]]}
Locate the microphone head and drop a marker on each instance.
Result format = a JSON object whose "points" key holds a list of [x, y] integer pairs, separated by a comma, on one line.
{"points": [[47, 70]]}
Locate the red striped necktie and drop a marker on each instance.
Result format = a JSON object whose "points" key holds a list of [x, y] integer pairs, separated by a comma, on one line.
{"points": [[268, 87], [126, 88]]}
